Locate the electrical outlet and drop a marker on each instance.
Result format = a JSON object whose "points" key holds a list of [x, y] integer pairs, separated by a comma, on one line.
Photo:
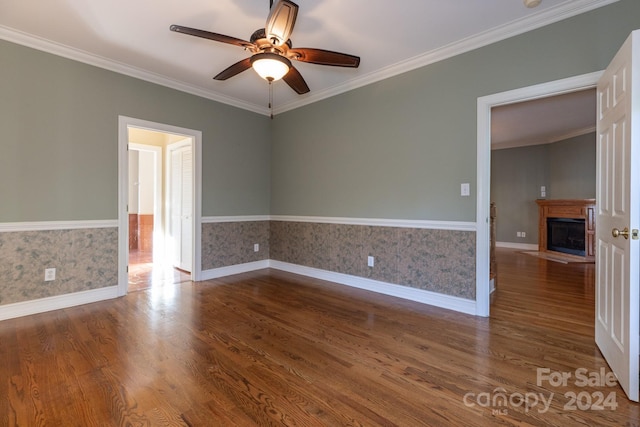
{"points": [[256, 247], [370, 261], [49, 274], [543, 191]]}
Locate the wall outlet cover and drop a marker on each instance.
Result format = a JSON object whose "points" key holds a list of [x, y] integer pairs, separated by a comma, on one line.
{"points": [[464, 189]]}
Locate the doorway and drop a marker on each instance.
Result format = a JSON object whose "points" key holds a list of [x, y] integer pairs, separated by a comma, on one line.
{"points": [[146, 233], [485, 105], [542, 149], [146, 254]]}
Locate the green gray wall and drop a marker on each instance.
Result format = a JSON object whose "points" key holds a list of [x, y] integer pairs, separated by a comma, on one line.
{"points": [[396, 149], [567, 169], [516, 177], [59, 140], [572, 168], [59, 162], [400, 148]]}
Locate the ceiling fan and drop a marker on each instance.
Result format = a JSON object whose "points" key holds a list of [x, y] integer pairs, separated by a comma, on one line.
{"points": [[272, 51]]}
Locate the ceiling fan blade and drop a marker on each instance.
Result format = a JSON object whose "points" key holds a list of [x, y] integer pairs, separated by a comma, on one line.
{"points": [[295, 80], [324, 57], [236, 68], [211, 36], [280, 21]]}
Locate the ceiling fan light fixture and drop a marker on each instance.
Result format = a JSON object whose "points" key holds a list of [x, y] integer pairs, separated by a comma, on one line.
{"points": [[270, 66]]}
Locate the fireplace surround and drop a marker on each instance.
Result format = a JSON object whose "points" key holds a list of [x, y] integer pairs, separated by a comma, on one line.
{"points": [[567, 226]]}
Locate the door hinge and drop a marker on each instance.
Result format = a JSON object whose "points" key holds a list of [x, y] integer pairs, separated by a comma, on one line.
{"points": [[634, 234]]}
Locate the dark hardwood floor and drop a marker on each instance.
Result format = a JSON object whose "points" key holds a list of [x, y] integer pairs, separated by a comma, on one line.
{"points": [[272, 348]]}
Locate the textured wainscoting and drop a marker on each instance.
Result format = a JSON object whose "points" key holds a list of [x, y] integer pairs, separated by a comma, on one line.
{"points": [[84, 258], [230, 243], [436, 260]]}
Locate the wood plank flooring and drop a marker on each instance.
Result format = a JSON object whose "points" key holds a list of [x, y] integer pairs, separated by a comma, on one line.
{"points": [[145, 274], [272, 348]]}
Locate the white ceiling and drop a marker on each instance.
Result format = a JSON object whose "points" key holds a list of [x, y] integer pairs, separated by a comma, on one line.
{"points": [[391, 37], [543, 121]]}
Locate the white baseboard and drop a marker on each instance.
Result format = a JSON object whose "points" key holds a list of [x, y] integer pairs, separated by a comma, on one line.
{"points": [[462, 305], [419, 295], [233, 269], [521, 246], [26, 308]]}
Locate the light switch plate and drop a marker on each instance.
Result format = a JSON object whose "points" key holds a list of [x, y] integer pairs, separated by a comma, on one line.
{"points": [[464, 189]]}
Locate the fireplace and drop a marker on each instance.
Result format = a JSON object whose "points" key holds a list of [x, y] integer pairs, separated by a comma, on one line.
{"points": [[567, 226], [566, 235]]}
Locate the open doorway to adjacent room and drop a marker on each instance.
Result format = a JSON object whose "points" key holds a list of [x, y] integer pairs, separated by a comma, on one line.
{"points": [[159, 193], [159, 214], [548, 113]]}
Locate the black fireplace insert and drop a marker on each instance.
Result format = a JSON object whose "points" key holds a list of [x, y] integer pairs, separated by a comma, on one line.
{"points": [[566, 235]]}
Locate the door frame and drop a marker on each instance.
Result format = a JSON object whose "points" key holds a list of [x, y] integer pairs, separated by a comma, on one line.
{"points": [[124, 123], [485, 104]]}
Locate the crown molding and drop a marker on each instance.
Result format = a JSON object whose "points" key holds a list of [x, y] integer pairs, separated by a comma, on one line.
{"points": [[58, 49], [573, 134], [549, 140], [520, 26], [563, 11]]}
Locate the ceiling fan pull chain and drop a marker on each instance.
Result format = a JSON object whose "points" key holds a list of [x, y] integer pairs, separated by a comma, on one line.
{"points": [[271, 99]]}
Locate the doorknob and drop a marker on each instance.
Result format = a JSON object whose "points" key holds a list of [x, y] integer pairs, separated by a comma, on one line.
{"points": [[624, 233]]}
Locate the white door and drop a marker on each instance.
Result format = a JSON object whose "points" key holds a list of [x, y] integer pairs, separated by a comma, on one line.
{"points": [[181, 205], [618, 217]]}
